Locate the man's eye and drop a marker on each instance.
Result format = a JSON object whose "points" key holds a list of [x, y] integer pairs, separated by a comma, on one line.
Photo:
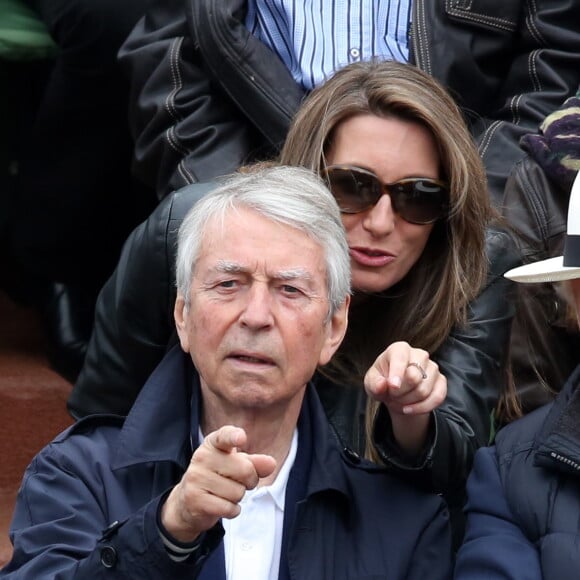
{"points": [[290, 289], [227, 284]]}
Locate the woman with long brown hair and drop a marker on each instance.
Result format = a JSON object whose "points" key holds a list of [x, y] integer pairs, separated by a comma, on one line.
{"points": [[422, 302]]}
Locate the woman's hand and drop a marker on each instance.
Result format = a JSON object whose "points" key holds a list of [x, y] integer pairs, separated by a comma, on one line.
{"points": [[410, 385]]}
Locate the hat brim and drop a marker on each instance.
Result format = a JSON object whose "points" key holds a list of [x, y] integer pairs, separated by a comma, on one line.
{"points": [[551, 270]]}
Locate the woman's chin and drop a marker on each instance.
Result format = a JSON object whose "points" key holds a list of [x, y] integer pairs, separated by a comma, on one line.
{"points": [[371, 284]]}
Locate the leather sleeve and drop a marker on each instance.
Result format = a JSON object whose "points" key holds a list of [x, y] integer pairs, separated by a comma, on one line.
{"points": [[184, 129], [473, 359], [134, 314], [206, 96]]}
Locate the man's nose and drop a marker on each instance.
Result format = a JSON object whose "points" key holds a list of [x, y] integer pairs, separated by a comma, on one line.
{"points": [[257, 310], [380, 219]]}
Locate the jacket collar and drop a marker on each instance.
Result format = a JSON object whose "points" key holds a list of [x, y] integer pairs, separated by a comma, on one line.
{"points": [[558, 440], [244, 67], [327, 469], [159, 427]]}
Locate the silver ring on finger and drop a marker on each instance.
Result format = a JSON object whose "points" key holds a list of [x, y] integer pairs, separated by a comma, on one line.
{"points": [[419, 368]]}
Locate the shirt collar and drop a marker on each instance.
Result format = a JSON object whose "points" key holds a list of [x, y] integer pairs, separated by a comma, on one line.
{"points": [[278, 488]]}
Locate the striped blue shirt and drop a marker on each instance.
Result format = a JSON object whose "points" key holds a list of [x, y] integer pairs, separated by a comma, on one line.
{"points": [[316, 37]]}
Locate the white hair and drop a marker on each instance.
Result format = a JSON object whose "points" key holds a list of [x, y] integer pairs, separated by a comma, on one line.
{"points": [[288, 195]]}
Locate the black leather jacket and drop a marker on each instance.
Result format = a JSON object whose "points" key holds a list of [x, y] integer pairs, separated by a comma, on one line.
{"points": [[208, 96], [134, 327]]}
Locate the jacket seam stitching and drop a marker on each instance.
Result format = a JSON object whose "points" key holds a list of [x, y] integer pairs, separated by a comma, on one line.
{"points": [[488, 136], [515, 108], [177, 84], [531, 22], [185, 173], [480, 18], [533, 70], [424, 60], [531, 25]]}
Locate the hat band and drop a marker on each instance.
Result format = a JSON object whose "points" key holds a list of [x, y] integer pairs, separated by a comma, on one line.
{"points": [[572, 251]]}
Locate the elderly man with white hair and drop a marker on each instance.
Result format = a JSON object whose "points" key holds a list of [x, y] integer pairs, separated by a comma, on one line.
{"points": [[226, 467]]}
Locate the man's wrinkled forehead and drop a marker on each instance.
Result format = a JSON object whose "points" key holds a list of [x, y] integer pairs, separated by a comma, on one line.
{"points": [[216, 229]]}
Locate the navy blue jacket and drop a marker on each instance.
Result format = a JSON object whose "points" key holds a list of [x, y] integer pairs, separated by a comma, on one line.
{"points": [[523, 511], [89, 501]]}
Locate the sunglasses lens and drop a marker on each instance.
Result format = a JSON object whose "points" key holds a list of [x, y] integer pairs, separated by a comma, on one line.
{"points": [[419, 201], [416, 200], [354, 191]]}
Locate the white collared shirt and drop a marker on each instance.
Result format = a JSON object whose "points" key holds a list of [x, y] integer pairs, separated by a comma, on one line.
{"points": [[253, 540]]}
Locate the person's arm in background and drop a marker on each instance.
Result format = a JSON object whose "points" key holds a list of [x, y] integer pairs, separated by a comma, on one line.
{"points": [[134, 313], [206, 96], [509, 64], [473, 359], [494, 547]]}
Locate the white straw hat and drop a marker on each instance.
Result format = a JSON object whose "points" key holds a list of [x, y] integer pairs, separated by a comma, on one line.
{"points": [[566, 267]]}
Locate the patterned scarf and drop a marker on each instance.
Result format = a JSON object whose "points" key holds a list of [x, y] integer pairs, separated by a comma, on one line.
{"points": [[556, 147]]}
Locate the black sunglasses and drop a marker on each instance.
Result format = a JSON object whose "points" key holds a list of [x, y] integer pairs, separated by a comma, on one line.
{"points": [[418, 200]]}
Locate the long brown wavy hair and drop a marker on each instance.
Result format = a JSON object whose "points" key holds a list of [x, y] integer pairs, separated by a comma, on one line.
{"points": [[433, 297]]}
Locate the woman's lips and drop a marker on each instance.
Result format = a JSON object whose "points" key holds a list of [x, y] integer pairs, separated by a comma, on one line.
{"points": [[371, 258]]}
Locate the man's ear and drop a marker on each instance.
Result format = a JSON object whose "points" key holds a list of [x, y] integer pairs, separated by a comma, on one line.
{"points": [[180, 316], [336, 329]]}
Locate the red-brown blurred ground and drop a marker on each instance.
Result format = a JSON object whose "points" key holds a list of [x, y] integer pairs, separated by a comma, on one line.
{"points": [[32, 404]]}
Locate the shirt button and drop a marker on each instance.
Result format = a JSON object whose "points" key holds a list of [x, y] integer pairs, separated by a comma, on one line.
{"points": [[354, 53], [108, 556], [246, 546]]}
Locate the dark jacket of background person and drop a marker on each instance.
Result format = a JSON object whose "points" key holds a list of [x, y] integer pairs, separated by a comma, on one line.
{"points": [[134, 324], [207, 96], [543, 345], [529, 483], [352, 520]]}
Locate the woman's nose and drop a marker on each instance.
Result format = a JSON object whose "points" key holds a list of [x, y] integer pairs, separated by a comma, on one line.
{"points": [[380, 219]]}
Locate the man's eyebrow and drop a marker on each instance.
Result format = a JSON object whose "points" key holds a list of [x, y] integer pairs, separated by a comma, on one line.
{"points": [[293, 274], [228, 267]]}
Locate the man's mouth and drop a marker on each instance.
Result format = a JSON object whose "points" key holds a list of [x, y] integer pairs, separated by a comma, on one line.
{"points": [[252, 358]]}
